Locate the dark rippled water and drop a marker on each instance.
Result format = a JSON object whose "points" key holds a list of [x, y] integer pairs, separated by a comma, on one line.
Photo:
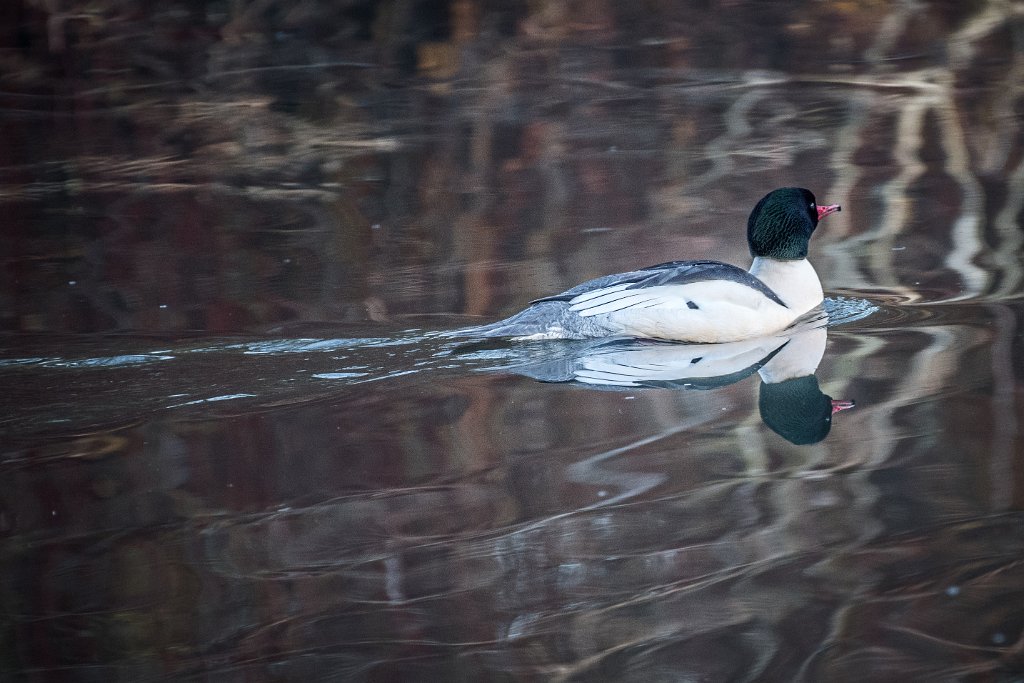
{"points": [[237, 441]]}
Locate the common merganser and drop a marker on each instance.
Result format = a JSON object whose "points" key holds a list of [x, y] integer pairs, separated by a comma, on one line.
{"points": [[693, 301]]}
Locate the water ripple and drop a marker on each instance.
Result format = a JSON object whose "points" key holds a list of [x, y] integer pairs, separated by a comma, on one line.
{"points": [[843, 310], [97, 362]]}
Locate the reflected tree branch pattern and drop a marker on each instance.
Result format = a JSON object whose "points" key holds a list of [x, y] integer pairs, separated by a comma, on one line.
{"points": [[275, 176], [524, 127]]}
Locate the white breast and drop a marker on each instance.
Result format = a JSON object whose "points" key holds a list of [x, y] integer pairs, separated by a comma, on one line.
{"points": [[796, 282]]}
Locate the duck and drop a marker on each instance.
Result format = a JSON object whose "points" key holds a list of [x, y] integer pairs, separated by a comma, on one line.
{"points": [[699, 301]]}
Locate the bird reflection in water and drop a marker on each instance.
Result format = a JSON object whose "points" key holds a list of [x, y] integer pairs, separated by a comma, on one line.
{"points": [[790, 402]]}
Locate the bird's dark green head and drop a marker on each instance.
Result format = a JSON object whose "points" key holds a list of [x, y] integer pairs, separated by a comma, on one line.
{"points": [[782, 222]]}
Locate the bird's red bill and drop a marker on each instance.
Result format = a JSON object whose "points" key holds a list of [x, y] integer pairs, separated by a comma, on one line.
{"points": [[828, 210], [838, 405]]}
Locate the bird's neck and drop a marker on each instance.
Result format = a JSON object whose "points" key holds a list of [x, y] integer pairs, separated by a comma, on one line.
{"points": [[794, 281]]}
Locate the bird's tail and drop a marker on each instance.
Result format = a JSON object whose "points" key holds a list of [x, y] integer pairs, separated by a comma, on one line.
{"points": [[535, 321]]}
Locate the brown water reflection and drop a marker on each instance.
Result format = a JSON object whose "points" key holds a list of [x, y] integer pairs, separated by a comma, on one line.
{"points": [[457, 524], [229, 451]]}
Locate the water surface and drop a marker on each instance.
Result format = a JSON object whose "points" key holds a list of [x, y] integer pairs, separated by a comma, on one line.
{"points": [[237, 446]]}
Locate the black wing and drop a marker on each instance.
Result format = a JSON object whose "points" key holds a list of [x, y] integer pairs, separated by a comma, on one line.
{"points": [[670, 273]]}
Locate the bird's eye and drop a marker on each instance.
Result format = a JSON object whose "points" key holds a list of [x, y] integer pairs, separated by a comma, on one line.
{"points": [[812, 205]]}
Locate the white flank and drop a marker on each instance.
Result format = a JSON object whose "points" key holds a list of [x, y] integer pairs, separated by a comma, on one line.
{"points": [[709, 310]]}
